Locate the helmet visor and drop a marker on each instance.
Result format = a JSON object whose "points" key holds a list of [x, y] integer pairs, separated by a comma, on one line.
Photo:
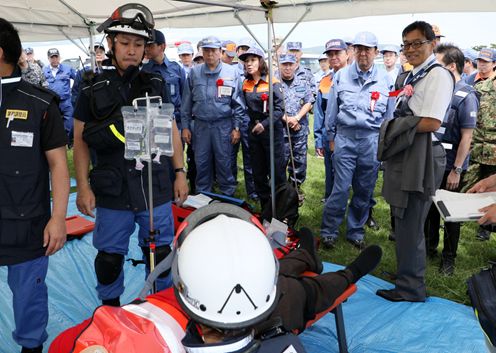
{"points": [[136, 16]]}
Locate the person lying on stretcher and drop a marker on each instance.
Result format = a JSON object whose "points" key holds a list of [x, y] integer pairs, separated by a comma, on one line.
{"points": [[230, 294]]}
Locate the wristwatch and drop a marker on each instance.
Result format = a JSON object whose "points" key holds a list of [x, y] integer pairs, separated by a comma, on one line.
{"points": [[180, 170], [457, 170]]}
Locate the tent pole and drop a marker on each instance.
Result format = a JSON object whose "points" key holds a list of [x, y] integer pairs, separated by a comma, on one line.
{"points": [[223, 4], [268, 16], [236, 14], [307, 10]]}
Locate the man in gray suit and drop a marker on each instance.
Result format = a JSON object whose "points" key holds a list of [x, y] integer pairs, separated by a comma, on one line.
{"points": [[415, 158]]}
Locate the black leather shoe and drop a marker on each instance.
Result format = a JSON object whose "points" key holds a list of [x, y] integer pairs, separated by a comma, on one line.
{"points": [[359, 244], [371, 223], [483, 234], [392, 236], [329, 242], [393, 296]]}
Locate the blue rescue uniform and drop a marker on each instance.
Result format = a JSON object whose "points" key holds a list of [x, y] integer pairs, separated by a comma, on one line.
{"points": [[174, 77], [212, 98], [61, 84], [354, 128]]}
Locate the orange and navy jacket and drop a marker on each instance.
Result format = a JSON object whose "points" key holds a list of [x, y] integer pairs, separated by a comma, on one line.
{"points": [[253, 97], [319, 110]]}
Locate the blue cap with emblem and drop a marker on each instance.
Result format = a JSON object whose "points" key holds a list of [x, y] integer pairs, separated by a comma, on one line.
{"points": [[252, 51], [185, 48], [366, 39], [229, 47], [211, 42], [244, 42], [294, 46], [470, 54], [486, 54], [335, 44], [391, 48], [287, 58]]}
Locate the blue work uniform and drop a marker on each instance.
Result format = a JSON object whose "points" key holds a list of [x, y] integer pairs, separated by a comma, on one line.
{"points": [[213, 98], [305, 73], [120, 189], [354, 128], [61, 84], [296, 95], [174, 77], [245, 147], [35, 127], [319, 131]]}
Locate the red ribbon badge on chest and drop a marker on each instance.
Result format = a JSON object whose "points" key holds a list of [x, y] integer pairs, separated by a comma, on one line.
{"points": [[264, 97]]}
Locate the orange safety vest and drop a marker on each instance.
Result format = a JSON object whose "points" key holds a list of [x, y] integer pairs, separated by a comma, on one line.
{"points": [[152, 326]]}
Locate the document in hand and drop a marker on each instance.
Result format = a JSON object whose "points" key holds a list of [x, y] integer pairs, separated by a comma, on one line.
{"points": [[459, 207]]}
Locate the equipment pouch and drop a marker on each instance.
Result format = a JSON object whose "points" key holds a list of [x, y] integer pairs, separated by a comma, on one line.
{"points": [[106, 180]]}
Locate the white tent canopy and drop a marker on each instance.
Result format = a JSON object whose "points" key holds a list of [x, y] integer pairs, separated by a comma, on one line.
{"points": [[48, 20]]}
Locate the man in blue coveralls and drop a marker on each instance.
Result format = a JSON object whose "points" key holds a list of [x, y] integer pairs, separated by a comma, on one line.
{"points": [[211, 95], [298, 98], [358, 103], [172, 72], [59, 78]]}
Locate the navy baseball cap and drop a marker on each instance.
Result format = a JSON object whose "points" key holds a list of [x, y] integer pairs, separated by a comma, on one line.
{"points": [[294, 46], [287, 58], [29, 50], [53, 52], [211, 42], [366, 39], [229, 47], [185, 48], [159, 37], [335, 44], [390, 47], [486, 54], [252, 51]]}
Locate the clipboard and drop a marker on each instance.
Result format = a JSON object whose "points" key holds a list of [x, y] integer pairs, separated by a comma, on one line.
{"points": [[461, 207]]}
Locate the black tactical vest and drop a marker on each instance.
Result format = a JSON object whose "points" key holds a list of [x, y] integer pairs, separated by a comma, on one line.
{"points": [[114, 180], [24, 173]]}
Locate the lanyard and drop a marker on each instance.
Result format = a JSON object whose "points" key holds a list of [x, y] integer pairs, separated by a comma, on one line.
{"points": [[411, 79]]}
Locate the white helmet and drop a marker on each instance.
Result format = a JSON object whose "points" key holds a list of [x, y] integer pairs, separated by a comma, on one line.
{"points": [[225, 272], [130, 18]]}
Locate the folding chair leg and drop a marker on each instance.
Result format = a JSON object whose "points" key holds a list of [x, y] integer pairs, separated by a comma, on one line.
{"points": [[341, 333]]}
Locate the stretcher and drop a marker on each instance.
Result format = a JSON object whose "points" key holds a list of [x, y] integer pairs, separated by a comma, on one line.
{"points": [[77, 227]]}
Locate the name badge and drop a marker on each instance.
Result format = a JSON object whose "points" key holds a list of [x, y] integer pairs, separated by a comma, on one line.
{"points": [[225, 91], [21, 139], [16, 114]]}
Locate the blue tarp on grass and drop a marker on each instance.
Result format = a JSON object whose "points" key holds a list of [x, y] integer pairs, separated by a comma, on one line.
{"points": [[372, 324]]}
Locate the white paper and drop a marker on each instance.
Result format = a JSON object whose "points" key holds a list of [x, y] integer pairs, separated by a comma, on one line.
{"points": [[197, 201], [463, 207]]}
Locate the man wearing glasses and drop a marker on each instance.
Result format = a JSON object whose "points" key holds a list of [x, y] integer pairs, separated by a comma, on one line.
{"points": [[412, 174], [358, 103]]}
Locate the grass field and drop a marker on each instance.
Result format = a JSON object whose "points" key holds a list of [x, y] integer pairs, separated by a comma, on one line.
{"points": [[472, 254]]}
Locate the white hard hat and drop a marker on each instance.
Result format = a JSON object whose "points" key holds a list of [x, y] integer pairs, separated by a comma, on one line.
{"points": [[225, 272]]}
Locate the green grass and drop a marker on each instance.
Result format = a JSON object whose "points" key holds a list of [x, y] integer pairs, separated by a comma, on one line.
{"points": [[472, 254]]}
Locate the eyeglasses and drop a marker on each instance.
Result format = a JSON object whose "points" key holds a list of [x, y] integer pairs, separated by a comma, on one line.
{"points": [[414, 45]]}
